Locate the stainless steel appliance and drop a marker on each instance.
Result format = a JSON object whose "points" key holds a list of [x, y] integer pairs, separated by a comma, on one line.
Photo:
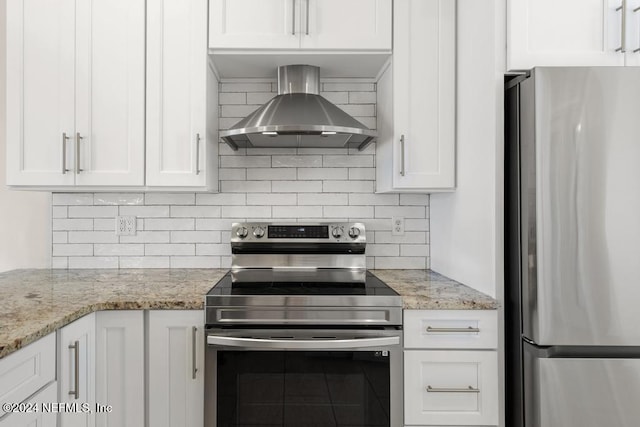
{"points": [[298, 117], [572, 230], [299, 333]]}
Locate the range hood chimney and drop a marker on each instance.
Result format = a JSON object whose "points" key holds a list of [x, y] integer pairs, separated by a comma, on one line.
{"points": [[298, 117]]}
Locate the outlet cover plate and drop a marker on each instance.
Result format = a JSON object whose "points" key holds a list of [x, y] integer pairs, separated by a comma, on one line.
{"points": [[125, 226]]}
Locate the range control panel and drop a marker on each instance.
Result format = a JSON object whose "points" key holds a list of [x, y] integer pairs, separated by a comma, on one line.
{"points": [[335, 232]]}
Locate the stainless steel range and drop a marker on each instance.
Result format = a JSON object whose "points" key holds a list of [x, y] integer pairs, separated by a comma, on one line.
{"points": [[299, 333]]}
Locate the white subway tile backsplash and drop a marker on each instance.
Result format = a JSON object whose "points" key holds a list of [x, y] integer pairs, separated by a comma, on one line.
{"points": [[148, 237], [92, 237], [261, 174], [323, 199], [296, 186], [169, 249], [363, 161], [272, 199], [118, 249], [93, 262], [61, 224], [68, 249], [195, 237], [347, 186], [118, 199], [284, 185], [145, 262], [72, 199], [359, 212], [245, 211], [403, 211], [93, 211], [196, 211], [322, 173], [169, 224], [145, 211], [308, 161], [297, 211], [169, 199]]}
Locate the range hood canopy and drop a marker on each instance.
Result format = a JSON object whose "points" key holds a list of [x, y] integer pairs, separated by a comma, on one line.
{"points": [[298, 117]]}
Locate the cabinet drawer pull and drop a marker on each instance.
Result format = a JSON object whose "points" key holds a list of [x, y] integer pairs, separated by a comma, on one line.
{"points": [[307, 17], [197, 154], [623, 27], [293, 18], [64, 152], [76, 350], [78, 139], [402, 155], [469, 389], [194, 368], [462, 330]]}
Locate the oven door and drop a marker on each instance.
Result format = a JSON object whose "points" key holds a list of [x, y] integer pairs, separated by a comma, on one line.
{"points": [[303, 377]]}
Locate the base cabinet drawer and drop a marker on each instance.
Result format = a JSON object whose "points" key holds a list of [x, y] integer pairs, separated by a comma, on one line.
{"points": [[451, 388], [24, 372], [37, 416], [464, 329]]}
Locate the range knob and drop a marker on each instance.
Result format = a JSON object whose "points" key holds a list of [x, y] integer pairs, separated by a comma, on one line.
{"points": [[258, 232], [242, 232], [337, 232], [354, 232]]}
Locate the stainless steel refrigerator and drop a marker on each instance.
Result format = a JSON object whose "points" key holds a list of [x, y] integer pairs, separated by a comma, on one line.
{"points": [[572, 228]]}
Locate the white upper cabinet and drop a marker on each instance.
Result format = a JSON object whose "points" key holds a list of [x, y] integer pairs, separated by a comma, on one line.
{"points": [[572, 33], [294, 24], [75, 92], [182, 97], [415, 150]]}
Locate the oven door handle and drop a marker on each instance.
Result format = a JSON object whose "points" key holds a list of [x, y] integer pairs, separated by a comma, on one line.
{"points": [[293, 344]]}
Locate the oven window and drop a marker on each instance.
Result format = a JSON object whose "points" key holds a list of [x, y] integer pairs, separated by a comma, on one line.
{"points": [[295, 388]]}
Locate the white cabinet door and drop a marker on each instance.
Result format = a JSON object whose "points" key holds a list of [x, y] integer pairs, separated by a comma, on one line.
{"points": [[180, 145], [254, 24], [110, 76], [46, 396], [40, 79], [120, 367], [340, 25], [416, 100], [565, 33], [451, 388], [176, 368], [76, 370]]}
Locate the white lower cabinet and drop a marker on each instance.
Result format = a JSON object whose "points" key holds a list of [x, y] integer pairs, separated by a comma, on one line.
{"points": [[76, 370], [120, 368], [176, 368], [450, 368], [38, 418]]}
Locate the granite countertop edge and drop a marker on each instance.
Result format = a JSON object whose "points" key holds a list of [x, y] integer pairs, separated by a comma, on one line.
{"points": [[182, 289]]}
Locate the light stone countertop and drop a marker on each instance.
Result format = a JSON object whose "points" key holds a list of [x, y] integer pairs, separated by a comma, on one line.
{"points": [[34, 303]]}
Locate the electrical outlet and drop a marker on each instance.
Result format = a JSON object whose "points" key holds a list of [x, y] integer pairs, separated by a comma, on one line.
{"points": [[125, 226], [397, 226]]}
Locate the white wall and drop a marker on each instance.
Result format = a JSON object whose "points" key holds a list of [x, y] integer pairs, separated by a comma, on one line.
{"points": [[466, 226], [25, 217]]}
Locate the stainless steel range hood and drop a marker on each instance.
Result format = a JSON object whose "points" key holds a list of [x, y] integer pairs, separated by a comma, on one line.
{"points": [[298, 117]]}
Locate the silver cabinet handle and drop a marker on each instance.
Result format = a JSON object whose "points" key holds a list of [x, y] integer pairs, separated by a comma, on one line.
{"points": [[78, 139], [76, 349], [307, 32], [468, 329], [301, 344], [634, 11], [469, 389], [402, 155], [64, 152], [623, 31], [197, 154], [293, 18], [194, 368]]}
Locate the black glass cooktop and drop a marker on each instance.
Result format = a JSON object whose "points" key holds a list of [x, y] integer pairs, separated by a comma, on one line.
{"points": [[272, 286]]}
